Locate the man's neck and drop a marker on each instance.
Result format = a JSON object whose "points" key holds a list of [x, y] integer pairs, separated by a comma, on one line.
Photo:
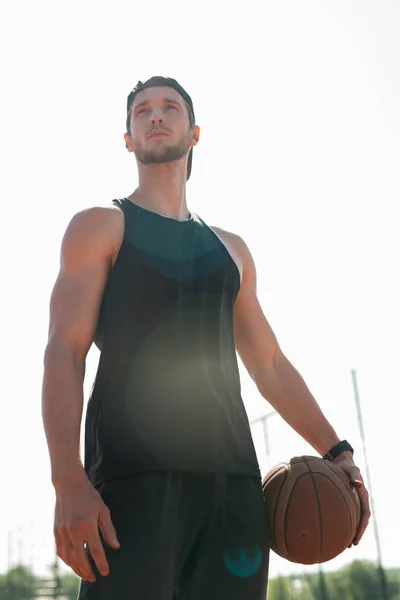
{"points": [[162, 189]]}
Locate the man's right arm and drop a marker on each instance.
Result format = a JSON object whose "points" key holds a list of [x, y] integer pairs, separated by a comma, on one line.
{"points": [[89, 248], [89, 244]]}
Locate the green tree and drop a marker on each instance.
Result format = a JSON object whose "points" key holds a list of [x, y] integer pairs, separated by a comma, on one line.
{"points": [[339, 585], [393, 577], [357, 581], [279, 589], [317, 586], [17, 584], [70, 586], [303, 588], [365, 581]]}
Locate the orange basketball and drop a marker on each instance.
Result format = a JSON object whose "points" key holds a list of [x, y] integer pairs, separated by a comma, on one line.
{"points": [[312, 509]]}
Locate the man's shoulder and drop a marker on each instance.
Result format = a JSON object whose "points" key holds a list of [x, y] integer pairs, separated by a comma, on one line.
{"points": [[234, 240], [98, 215], [225, 234], [97, 229], [235, 245], [97, 219], [238, 249]]}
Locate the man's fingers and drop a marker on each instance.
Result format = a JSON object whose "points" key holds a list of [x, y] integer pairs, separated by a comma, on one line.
{"points": [[63, 544], [358, 537], [77, 556], [78, 572], [358, 483], [355, 476], [81, 562], [98, 554], [107, 528], [365, 513], [65, 551]]}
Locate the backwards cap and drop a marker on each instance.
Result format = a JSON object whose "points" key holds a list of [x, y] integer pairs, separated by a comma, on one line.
{"points": [[159, 81]]}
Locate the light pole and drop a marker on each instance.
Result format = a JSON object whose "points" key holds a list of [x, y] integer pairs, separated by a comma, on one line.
{"points": [[382, 576], [264, 421]]}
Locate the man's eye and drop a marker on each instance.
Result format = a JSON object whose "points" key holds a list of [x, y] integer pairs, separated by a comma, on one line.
{"points": [[140, 111], [171, 106]]}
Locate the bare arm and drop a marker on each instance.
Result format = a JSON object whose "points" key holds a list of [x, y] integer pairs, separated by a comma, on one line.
{"points": [[275, 377], [89, 247], [86, 255], [279, 382]]}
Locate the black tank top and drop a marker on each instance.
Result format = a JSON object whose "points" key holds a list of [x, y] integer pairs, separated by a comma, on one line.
{"points": [[167, 393]]}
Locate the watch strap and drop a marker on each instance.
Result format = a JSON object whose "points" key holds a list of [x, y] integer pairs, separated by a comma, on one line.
{"points": [[342, 446]]}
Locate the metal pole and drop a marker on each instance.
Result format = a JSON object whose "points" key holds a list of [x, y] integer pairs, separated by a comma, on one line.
{"points": [[264, 421], [382, 575]]}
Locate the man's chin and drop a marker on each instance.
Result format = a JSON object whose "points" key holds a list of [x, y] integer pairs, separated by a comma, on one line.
{"points": [[161, 152], [158, 158]]}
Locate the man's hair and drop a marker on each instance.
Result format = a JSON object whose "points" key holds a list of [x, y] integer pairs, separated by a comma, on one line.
{"points": [[155, 82]]}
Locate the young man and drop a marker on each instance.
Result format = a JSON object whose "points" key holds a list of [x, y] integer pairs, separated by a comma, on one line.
{"points": [[170, 468]]}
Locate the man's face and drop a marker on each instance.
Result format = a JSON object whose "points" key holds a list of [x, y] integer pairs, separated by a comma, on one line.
{"points": [[159, 126]]}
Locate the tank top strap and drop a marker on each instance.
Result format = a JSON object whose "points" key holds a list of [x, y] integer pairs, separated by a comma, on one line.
{"points": [[117, 202], [122, 204], [196, 216]]}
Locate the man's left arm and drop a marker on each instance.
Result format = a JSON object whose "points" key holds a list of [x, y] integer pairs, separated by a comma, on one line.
{"points": [[280, 383]]}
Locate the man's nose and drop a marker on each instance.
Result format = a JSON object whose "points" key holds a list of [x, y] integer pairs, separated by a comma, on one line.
{"points": [[157, 117]]}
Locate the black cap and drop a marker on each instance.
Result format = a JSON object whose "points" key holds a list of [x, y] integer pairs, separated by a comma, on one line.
{"points": [[158, 81]]}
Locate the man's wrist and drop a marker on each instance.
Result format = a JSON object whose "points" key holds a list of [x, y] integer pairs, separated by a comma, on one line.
{"points": [[343, 456], [338, 449], [69, 476]]}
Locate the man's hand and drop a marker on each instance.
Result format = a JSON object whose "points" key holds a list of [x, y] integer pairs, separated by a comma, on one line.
{"points": [[79, 512], [346, 463]]}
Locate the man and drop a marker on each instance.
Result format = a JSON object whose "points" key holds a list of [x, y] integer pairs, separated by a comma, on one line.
{"points": [[169, 503]]}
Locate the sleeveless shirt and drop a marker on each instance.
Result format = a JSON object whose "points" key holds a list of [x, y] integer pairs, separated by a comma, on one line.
{"points": [[166, 396]]}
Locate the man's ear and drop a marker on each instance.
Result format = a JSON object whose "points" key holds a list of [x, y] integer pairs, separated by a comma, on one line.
{"points": [[196, 135], [128, 142]]}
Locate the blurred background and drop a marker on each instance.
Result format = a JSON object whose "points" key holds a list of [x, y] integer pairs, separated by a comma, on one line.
{"points": [[299, 154]]}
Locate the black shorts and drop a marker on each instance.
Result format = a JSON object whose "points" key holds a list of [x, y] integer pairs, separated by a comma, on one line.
{"points": [[184, 537]]}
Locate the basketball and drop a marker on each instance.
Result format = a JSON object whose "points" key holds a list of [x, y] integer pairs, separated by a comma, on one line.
{"points": [[312, 509]]}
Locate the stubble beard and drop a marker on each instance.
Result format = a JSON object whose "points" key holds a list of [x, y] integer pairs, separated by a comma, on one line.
{"points": [[162, 154]]}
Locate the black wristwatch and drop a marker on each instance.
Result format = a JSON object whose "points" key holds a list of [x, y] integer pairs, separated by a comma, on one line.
{"points": [[342, 446]]}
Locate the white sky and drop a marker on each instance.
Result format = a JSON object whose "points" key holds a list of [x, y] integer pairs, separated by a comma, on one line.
{"points": [[299, 153]]}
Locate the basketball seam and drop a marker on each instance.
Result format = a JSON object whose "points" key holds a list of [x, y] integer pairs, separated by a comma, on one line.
{"points": [[318, 503], [340, 492], [287, 510], [276, 509], [321, 545], [338, 489], [288, 506], [332, 470]]}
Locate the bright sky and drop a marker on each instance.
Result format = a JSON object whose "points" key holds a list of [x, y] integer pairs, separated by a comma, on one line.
{"points": [[299, 154]]}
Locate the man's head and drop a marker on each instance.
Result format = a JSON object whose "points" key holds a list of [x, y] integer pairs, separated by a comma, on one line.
{"points": [[160, 123]]}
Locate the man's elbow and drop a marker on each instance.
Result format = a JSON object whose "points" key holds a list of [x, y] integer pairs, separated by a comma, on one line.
{"points": [[59, 350], [268, 368]]}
